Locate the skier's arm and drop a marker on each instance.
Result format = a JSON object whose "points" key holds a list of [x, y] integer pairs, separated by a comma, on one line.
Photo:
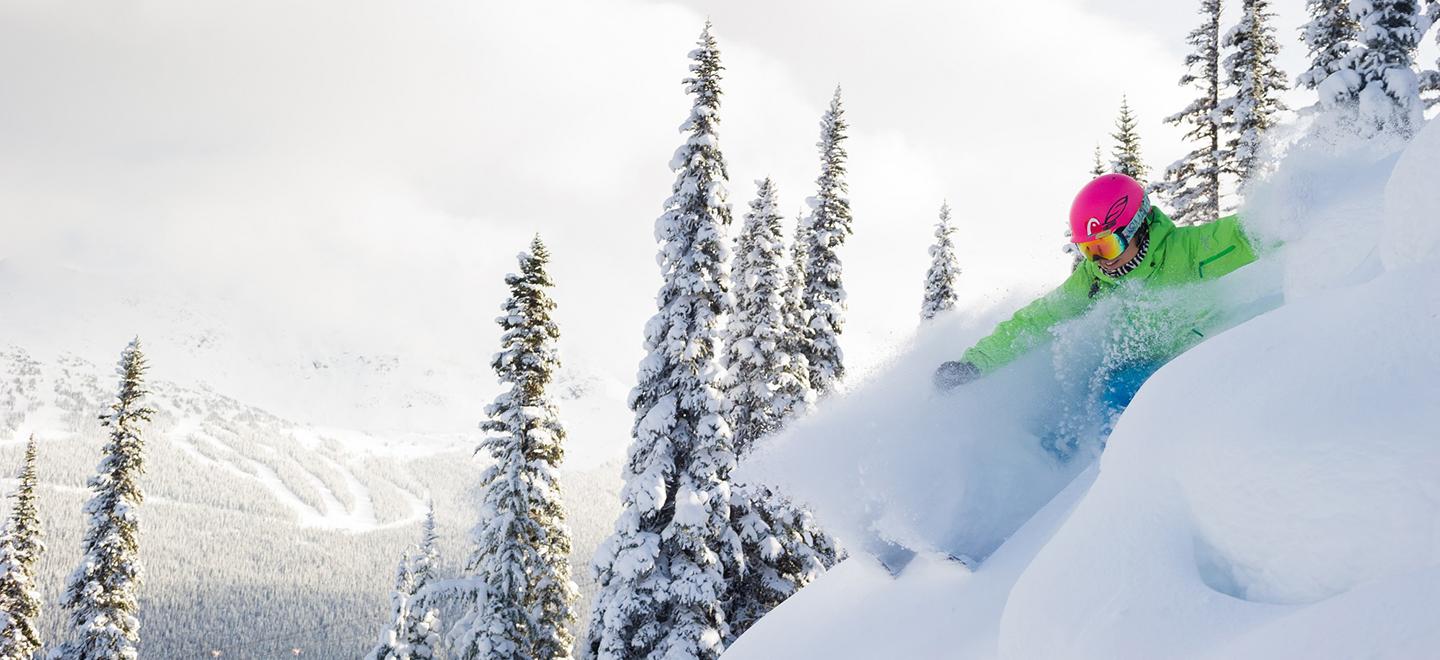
{"points": [[1030, 326], [1221, 247]]}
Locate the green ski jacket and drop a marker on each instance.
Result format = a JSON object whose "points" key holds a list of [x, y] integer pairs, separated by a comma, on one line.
{"points": [[1177, 255]]}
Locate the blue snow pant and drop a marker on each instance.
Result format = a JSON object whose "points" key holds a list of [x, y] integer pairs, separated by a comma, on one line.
{"points": [[1094, 421]]}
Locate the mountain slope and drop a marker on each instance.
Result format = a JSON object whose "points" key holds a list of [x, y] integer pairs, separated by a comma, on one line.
{"points": [[1270, 493]]}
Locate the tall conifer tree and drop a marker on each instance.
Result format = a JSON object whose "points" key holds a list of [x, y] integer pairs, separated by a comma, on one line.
{"points": [[1430, 80], [1329, 36], [1098, 169], [102, 593], [944, 269], [797, 317], [827, 227], [1193, 182], [662, 573], [1127, 159], [522, 546], [413, 632], [1255, 84], [1384, 88], [766, 385], [20, 548]]}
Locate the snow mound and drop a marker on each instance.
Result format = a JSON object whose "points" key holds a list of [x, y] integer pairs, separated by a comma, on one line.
{"points": [[1270, 493]]}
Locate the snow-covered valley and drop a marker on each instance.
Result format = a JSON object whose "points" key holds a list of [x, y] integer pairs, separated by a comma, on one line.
{"points": [[250, 517]]}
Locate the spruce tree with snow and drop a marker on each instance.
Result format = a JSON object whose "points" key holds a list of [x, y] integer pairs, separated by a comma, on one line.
{"points": [[1255, 84], [1430, 80], [1329, 36], [522, 545], [663, 571], [765, 385], [1381, 84], [20, 548], [101, 594], [1193, 182], [784, 550], [826, 228], [797, 317], [1126, 154], [413, 632], [1098, 169], [944, 270]]}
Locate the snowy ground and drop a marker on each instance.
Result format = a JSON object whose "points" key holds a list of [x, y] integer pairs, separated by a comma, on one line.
{"points": [[251, 517], [1271, 493]]}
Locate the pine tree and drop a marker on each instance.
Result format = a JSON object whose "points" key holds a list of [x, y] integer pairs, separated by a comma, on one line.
{"points": [[1430, 80], [826, 229], [522, 546], [763, 385], [1193, 182], [413, 632], [1380, 81], [944, 270], [101, 594], [797, 317], [766, 385], [1098, 169], [1126, 155], [784, 550], [20, 548], [1328, 37], [663, 571], [1255, 85]]}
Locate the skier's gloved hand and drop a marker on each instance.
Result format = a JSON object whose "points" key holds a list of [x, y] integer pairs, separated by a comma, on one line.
{"points": [[954, 374]]}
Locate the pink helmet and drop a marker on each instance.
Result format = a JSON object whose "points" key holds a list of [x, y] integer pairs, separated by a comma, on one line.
{"points": [[1112, 202]]}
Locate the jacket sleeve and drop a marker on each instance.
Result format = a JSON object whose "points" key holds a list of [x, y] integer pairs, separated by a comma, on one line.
{"points": [[1220, 247], [1030, 326]]}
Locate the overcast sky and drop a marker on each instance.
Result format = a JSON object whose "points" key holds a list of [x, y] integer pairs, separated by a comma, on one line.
{"points": [[376, 164]]}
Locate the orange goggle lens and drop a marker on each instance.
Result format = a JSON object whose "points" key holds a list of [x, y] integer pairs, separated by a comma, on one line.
{"points": [[1105, 246]]}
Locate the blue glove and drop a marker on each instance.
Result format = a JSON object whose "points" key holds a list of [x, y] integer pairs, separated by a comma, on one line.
{"points": [[954, 374]]}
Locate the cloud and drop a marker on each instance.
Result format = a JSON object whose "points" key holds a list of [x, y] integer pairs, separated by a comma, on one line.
{"points": [[368, 169]]}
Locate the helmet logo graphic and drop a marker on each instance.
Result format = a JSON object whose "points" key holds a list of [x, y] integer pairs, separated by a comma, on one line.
{"points": [[1091, 225], [1116, 212]]}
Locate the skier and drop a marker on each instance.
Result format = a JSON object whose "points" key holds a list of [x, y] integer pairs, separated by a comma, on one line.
{"points": [[1124, 238]]}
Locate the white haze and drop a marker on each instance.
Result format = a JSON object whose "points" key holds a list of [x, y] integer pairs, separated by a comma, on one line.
{"points": [[360, 174]]}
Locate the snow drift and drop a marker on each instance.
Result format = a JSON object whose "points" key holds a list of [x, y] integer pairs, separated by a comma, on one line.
{"points": [[1270, 493]]}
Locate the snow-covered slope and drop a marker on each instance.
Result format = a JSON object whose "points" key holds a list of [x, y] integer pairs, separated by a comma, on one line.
{"points": [[1269, 494]]}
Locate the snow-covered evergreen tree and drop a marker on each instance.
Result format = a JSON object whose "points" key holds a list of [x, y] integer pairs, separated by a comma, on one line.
{"points": [[1098, 169], [1380, 82], [766, 385], [1328, 36], [797, 317], [663, 571], [784, 550], [1255, 84], [20, 548], [944, 270], [1430, 80], [826, 228], [1193, 182], [413, 631], [522, 546], [102, 593], [1126, 155]]}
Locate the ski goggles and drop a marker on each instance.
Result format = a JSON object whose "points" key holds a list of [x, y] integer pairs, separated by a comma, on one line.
{"points": [[1107, 245]]}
